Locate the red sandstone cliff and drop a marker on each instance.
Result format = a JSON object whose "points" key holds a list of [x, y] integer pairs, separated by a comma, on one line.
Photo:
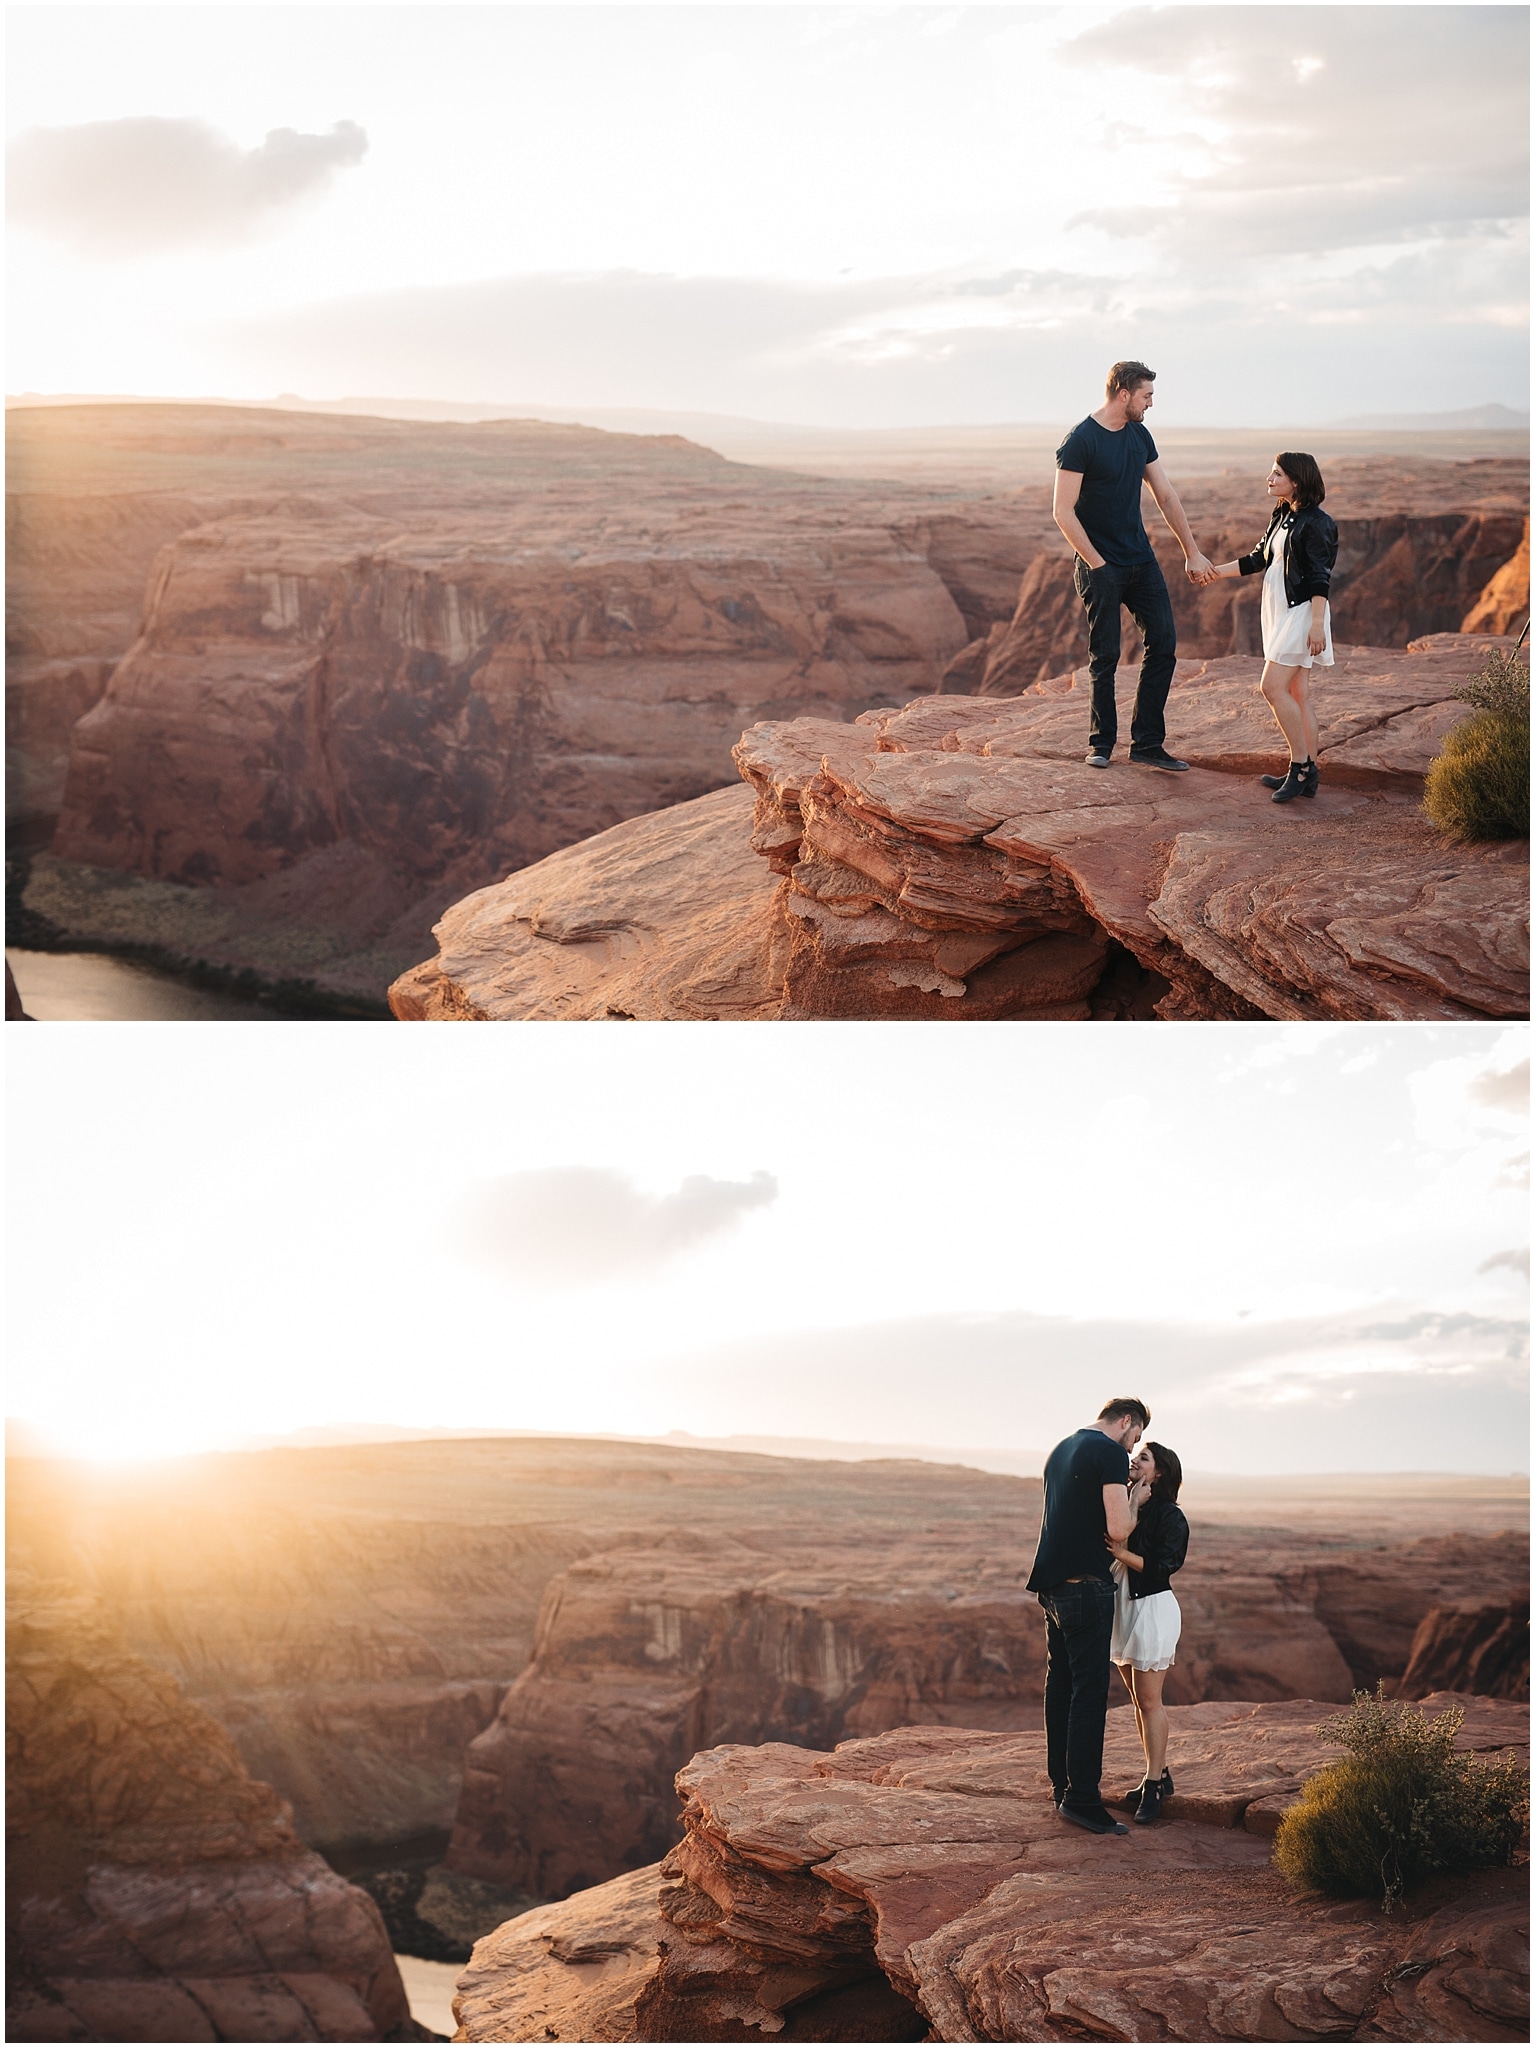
{"points": [[647, 1654], [919, 1886], [1504, 606], [956, 860], [1399, 577], [363, 666], [155, 1890]]}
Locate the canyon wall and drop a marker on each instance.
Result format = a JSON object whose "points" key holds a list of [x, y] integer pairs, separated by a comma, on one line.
{"points": [[919, 1886], [522, 1639], [1398, 578], [645, 1656], [956, 859], [305, 680], [155, 1890]]}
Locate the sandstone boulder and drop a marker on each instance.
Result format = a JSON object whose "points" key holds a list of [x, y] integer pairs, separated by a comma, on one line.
{"points": [[156, 1891]]}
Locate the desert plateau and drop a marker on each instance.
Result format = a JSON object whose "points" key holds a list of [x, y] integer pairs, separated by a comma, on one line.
{"points": [[255, 1696], [310, 704]]}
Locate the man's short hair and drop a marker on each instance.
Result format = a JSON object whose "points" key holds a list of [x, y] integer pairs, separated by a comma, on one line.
{"points": [[1123, 1410], [1128, 377]]}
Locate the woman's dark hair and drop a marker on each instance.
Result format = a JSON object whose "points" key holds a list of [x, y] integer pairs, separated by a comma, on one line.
{"points": [[1169, 1465], [1306, 477]]}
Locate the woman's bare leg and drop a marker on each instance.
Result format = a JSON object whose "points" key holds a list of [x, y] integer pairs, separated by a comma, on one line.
{"points": [[1300, 690], [1151, 1717], [1277, 687], [1127, 1673]]}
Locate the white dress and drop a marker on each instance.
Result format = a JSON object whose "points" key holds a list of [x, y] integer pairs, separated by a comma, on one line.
{"points": [[1145, 1631], [1287, 627]]}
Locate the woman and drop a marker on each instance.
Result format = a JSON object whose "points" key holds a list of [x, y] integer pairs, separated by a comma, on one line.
{"points": [[1147, 1620], [1296, 556]]}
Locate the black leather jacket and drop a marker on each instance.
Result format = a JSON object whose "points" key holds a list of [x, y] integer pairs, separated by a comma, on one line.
{"points": [[1309, 558], [1161, 1536]]}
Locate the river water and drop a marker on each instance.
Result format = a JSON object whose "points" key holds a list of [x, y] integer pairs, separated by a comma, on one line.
{"points": [[65, 987]]}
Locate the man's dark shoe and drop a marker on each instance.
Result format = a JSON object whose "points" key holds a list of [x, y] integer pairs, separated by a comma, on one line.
{"points": [[1158, 757], [1097, 758], [1151, 1804], [1098, 1822]]}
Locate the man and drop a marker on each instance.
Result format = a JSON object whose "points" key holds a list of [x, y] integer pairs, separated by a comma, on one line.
{"points": [[1100, 467], [1086, 1477]]}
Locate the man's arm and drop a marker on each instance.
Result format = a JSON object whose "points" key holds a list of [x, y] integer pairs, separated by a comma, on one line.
{"points": [[1116, 1512], [1196, 567], [1068, 486]]}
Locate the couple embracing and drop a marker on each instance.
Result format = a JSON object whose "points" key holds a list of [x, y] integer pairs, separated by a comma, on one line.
{"points": [[1100, 468], [1110, 1540]]}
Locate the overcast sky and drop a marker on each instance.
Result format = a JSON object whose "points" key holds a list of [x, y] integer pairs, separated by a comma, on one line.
{"points": [[1303, 1245], [847, 216]]}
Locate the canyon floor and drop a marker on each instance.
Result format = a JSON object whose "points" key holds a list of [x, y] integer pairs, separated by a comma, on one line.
{"points": [[284, 687]]}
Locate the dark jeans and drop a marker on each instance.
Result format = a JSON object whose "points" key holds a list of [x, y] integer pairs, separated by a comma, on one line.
{"points": [[1079, 1621], [1142, 590]]}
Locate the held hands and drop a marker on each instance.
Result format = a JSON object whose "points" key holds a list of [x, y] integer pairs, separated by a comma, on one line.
{"points": [[1200, 570]]}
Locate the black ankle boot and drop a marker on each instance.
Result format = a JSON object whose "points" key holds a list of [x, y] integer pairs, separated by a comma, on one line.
{"points": [[1132, 1800], [1313, 779], [1151, 1804], [1294, 784], [1272, 781], [1165, 1783]]}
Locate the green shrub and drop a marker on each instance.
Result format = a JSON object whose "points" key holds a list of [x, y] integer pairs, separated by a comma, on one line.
{"points": [[1401, 1805], [1478, 787]]}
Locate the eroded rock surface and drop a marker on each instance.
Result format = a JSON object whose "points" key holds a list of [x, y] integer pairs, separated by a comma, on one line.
{"points": [[647, 1653], [956, 859], [1480, 1647], [433, 654], [155, 1890], [386, 662], [919, 1885], [353, 1617]]}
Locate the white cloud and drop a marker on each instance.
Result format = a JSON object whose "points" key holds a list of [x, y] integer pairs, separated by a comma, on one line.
{"points": [[568, 1226], [137, 187], [1330, 127]]}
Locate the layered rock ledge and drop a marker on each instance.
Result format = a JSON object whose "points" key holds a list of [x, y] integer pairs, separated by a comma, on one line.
{"points": [[957, 859], [647, 1653], [155, 1890], [920, 1886]]}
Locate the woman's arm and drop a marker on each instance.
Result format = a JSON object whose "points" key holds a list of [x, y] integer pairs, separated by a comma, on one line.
{"points": [[1227, 569], [1316, 638]]}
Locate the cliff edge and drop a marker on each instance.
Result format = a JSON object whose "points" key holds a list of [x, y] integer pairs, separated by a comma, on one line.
{"points": [[919, 1886], [956, 859]]}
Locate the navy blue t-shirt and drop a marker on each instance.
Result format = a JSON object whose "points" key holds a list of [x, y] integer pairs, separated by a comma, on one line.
{"points": [[1111, 467], [1073, 1526]]}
